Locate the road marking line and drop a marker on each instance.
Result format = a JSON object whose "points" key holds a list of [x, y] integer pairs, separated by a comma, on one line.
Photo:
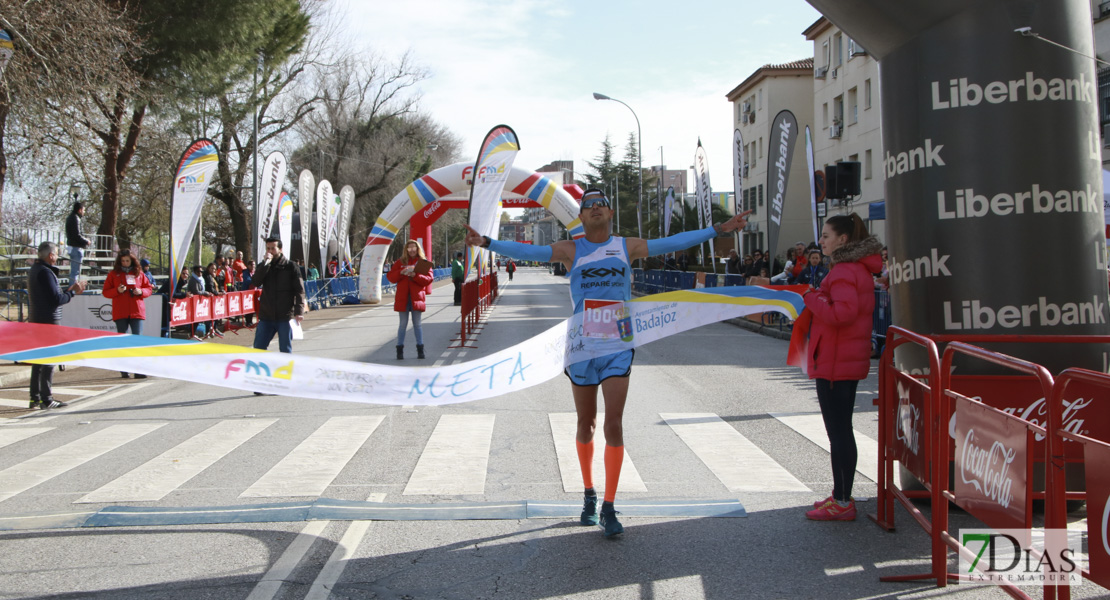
{"points": [[733, 458], [564, 429], [337, 562], [50, 464], [283, 567], [176, 466], [11, 436], [311, 467], [455, 459], [812, 427]]}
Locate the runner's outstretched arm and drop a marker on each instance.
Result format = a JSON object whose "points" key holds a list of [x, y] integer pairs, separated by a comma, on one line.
{"points": [[640, 248], [555, 252]]}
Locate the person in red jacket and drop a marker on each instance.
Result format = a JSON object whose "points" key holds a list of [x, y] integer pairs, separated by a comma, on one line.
{"points": [[410, 295], [126, 286], [840, 348]]}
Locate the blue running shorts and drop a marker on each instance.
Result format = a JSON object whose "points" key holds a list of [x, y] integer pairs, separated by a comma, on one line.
{"points": [[596, 370]]}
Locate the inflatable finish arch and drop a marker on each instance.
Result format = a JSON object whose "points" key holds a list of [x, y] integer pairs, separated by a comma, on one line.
{"points": [[453, 182]]}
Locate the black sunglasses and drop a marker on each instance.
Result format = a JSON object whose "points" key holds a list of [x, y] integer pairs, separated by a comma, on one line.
{"points": [[601, 201]]}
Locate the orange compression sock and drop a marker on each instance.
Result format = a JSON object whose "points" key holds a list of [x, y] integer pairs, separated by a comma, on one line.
{"points": [[586, 461], [614, 457]]}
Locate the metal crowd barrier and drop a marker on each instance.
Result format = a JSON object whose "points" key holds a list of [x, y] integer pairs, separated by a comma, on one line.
{"points": [[1063, 427]]}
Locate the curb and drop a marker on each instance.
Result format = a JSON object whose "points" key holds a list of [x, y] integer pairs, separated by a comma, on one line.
{"points": [[769, 331], [14, 374]]}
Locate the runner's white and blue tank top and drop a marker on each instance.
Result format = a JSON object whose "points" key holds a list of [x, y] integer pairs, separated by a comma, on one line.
{"points": [[600, 272]]}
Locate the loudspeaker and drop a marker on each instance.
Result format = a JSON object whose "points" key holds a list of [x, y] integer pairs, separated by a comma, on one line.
{"points": [[832, 190], [847, 179]]}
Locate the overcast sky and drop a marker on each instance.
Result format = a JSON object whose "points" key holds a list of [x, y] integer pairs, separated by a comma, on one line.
{"points": [[534, 64]]}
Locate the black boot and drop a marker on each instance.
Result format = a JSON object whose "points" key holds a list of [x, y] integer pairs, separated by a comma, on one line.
{"points": [[400, 352], [420, 351]]}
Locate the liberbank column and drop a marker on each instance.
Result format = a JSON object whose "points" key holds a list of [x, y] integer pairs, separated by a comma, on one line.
{"points": [[992, 164]]}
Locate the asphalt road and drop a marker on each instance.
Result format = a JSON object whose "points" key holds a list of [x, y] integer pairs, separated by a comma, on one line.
{"points": [[714, 418]]}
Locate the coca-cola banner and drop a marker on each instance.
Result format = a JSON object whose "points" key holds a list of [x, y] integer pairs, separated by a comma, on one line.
{"points": [[911, 441], [1097, 464], [990, 466], [992, 162]]}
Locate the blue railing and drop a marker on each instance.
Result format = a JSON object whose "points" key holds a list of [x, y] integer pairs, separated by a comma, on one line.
{"points": [[323, 293]]}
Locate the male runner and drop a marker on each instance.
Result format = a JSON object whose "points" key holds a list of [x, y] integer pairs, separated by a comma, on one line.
{"points": [[600, 269]]}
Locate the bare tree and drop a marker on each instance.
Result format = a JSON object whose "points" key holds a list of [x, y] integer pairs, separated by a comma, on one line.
{"points": [[62, 50]]}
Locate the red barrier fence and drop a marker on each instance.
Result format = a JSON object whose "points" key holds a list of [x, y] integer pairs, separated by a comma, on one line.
{"points": [[201, 309], [478, 296], [927, 419]]}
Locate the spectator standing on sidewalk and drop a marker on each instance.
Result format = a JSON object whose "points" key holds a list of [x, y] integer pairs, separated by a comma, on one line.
{"points": [[510, 269], [282, 299], [409, 298], [814, 272], [75, 240], [313, 272], [126, 286], [144, 264], [840, 348], [733, 265], [458, 276], [237, 267], [46, 299]]}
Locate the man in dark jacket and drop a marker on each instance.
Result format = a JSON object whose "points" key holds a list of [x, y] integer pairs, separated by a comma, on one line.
{"points": [[282, 298], [75, 240], [46, 299]]}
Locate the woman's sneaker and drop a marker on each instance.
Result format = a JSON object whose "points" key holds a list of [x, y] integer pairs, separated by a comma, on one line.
{"points": [[610, 526], [821, 503], [833, 511], [589, 511]]}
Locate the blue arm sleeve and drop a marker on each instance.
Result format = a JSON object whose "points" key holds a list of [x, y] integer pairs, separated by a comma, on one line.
{"points": [[680, 241], [521, 251]]}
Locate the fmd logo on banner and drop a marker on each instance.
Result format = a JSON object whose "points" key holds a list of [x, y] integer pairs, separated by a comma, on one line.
{"points": [[996, 557]]}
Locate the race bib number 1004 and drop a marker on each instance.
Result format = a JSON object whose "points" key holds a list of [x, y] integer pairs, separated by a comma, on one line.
{"points": [[607, 319]]}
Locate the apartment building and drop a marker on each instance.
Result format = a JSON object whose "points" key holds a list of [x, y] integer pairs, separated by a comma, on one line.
{"points": [[847, 112], [756, 101]]}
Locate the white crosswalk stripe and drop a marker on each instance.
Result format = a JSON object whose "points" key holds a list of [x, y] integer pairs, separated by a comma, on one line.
{"points": [[455, 459], [453, 462], [11, 436], [812, 427], [162, 475], [564, 428], [311, 467], [50, 464], [733, 458]]}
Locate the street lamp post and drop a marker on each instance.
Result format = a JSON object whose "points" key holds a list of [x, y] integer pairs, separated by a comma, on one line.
{"points": [[639, 160]]}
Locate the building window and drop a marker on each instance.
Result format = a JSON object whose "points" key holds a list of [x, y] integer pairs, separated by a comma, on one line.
{"points": [[853, 107], [759, 99], [838, 50], [760, 146], [867, 164], [838, 110], [760, 194], [866, 94], [825, 52]]}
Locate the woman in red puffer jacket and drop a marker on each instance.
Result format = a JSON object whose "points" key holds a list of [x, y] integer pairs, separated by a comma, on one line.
{"points": [[127, 287], [409, 298], [840, 348]]}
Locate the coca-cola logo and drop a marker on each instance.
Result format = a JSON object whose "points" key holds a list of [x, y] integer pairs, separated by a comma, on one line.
{"points": [[1106, 526], [1037, 414], [988, 469], [180, 311], [907, 425], [431, 209], [233, 302]]}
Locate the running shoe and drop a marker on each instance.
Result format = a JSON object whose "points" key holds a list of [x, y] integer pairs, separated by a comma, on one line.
{"points": [[589, 511], [833, 512], [821, 503], [36, 405], [610, 526], [52, 403]]}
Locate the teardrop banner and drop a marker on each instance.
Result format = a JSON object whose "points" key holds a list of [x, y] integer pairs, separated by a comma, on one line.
{"points": [[306, 184], [324, 197], [272, 178], [491, 171], [190, 186]]}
